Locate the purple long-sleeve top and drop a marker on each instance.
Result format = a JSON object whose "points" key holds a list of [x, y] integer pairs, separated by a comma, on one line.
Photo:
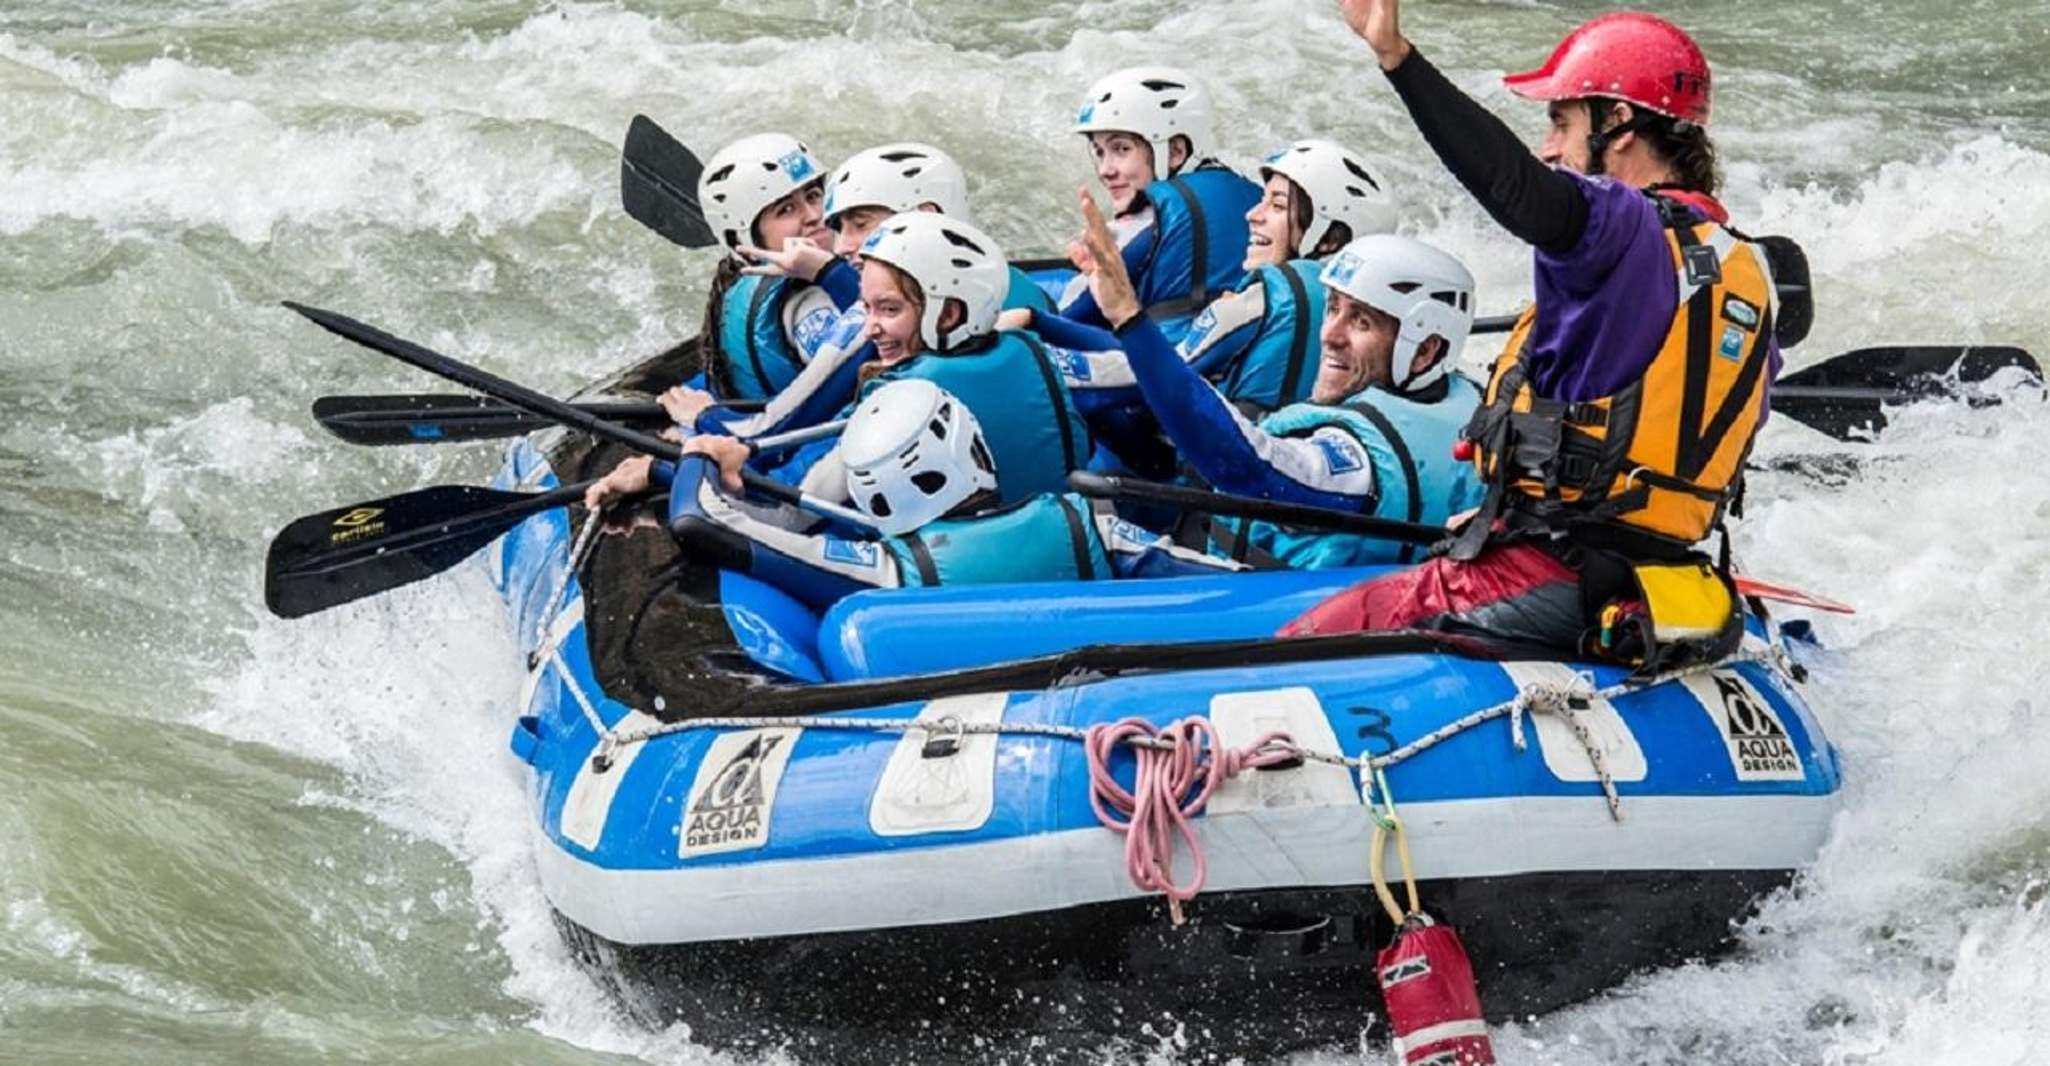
{"points": [[1605, 285]]}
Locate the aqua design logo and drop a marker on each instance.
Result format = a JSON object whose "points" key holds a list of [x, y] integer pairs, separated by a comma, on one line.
{"points": [[734, 795], [1760, 748], [1088, 112]]}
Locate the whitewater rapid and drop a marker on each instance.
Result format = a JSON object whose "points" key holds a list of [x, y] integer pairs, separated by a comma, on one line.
{"points": [[234, 837]]}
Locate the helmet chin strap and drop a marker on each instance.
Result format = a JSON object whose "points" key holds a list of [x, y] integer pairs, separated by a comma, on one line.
{"points": [[1598, 139]]}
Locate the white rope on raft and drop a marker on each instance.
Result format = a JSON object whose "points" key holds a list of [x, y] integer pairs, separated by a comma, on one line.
{"points": [[1182, 765], [1563, 700]]}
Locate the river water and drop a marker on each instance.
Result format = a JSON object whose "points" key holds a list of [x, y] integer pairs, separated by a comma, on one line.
{"points": [[227, 838]]}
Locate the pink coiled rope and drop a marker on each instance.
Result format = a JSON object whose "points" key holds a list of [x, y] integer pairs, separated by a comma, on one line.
{"points": [[1180, 767]]}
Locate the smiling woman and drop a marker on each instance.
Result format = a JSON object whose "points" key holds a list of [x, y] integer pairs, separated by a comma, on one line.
{"points": [[896, 304], [227, 837]]}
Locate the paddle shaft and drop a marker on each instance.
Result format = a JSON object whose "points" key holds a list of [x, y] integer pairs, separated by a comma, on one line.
{"points": [[1112, 486], [483, 381]]}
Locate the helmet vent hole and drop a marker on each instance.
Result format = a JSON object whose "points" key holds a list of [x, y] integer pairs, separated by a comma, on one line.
{"points": [[912, 172], [959, 240], [769, 165], [929, 482], [939, 429], [979, 452], [900, 156], [1360, 172], [879, 505], [1405, 286], [1160, 85], [720, 174], [1446, 297]]}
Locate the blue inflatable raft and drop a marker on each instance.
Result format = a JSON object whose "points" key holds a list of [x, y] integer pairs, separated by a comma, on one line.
{"points": [[798, 829]]}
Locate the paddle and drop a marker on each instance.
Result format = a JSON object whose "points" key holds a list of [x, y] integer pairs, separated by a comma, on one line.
{"points": [[1843, 396], [1179, 497], [520, 396], [1114, 487], [439, 418], [337, 556], [658, 185], [344, 554], [422, 418]]}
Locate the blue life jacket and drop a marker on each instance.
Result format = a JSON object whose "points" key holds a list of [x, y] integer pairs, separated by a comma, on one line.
{"points": [[1028, 419], [1026, 293], [1410, 444], [758, 358], [1047, 537], [1199, 245], [1281, 365]]}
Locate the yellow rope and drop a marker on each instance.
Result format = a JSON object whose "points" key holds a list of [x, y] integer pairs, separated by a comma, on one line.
{"points": [[1387, 823]]}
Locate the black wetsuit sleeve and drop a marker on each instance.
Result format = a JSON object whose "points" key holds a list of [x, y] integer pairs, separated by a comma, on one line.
{"points": [[1531, 200]]}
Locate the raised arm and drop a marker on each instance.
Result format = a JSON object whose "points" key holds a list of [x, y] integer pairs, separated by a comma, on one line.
{"points": [[1539, 205]]}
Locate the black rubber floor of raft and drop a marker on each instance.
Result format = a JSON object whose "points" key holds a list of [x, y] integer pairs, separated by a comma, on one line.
{"points": [[1252, 976]]}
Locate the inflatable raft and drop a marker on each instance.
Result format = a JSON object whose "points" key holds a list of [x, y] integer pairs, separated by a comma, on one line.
{"points": [[792, 828]]}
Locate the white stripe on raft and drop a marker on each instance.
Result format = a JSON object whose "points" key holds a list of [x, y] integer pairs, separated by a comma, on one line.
{"points": [[1278, 848]]}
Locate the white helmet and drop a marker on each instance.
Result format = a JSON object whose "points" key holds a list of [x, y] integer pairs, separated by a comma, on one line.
{"points": [[913, 452], [1339, 187], [1156, 103], [949, 259], [748, 175], [1429, 291], [900, 177]]}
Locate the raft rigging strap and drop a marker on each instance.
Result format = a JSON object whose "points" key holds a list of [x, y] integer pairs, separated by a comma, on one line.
{"points": [[1182, 765], [1564, 700]]}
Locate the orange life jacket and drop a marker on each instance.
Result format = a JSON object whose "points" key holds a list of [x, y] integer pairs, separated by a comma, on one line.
{"points": [[1663, 455]]}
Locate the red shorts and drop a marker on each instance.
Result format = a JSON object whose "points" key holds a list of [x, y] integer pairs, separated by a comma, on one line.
{"points": [[1515, 591]]}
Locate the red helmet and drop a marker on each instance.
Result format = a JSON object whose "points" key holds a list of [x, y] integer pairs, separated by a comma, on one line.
{"points": [[1628, 55]]}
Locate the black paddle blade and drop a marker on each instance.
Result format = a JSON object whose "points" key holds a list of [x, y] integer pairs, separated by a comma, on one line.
{"points": [[1844, 396], [658, 185], [420, 418], [335, 557], [1920, 371], [430, 418]]}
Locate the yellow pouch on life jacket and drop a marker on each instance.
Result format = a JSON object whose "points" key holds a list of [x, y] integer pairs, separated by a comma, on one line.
{"points": [[1684, 613], [1686, 601]]}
